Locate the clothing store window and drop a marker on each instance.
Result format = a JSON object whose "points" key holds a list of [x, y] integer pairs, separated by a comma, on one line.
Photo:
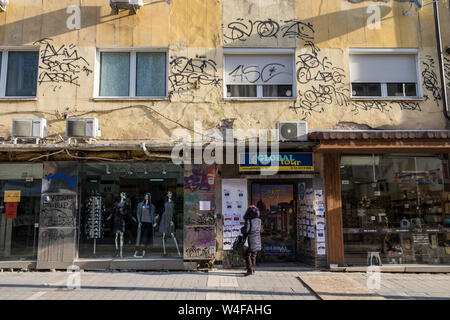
{"points": [[396, 207], [132, 74], [258, 73], [19, 72], [131, 210], [19, 210]]}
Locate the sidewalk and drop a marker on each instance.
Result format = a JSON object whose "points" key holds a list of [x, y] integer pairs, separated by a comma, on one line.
{"points": [[220, 285]]}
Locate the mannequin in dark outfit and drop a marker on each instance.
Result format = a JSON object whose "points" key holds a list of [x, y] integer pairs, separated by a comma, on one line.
{"points": [[121, 210], [166, 225], [145, 215]]}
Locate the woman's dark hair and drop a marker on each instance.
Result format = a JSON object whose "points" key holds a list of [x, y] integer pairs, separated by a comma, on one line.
{"points": [[251, 213]]}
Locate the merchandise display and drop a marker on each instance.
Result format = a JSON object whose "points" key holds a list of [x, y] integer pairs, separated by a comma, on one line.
{"points": [[311, 223], [395, 205], [95, 217], [135, 210], [94, 225]]}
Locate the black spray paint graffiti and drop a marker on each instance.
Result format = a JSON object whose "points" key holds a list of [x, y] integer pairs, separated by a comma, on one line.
{"points": [[201, 219], [187, 73], [251, 74], [61, 64], [410, 106], [242, 30], [321, 84], [447, 70], [430, 79], [325, 84], [381, 106]]}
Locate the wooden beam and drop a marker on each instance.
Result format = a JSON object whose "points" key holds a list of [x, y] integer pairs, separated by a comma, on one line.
{"points": [[334, 204], [379, 146]]}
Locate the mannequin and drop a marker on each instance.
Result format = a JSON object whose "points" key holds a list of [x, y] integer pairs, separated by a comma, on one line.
{"points": [[167, 225], [145, 215], [121, 210]]}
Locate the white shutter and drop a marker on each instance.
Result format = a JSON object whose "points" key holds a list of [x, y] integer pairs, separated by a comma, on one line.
{"points": [[383, 68], [259, 69]]}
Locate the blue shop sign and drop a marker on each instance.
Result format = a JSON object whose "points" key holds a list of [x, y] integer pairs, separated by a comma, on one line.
{"points": [[301, 161]]}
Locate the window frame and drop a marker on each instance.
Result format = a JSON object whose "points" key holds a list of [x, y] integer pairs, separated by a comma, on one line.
{"points": [[383, 84], [133, 71], [4, 71], [259, 87]]}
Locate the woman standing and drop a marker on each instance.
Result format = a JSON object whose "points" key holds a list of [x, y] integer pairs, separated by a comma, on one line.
{"points": [[252, 232]]}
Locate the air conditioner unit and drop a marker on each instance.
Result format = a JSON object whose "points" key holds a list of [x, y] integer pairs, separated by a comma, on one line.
{"points": [[132, 5], [292, 130], [29, 128], [3, 4], [82, 128]]}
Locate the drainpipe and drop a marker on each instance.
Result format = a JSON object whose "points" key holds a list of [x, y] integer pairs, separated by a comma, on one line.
{"points": [[441, 60]]}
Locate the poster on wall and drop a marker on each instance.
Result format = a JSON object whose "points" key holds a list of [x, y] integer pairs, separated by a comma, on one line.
{"points": [[234, 205], [11, 196], [321, 248], [11, 210]]}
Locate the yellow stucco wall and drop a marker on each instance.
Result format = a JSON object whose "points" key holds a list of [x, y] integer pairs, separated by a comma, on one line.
{"points": [[198, 30]]}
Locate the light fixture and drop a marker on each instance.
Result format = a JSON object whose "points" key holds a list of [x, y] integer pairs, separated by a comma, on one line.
{"points": [[156, 180], [130, 171], [145, 171], [164, 172], [108, 171]]}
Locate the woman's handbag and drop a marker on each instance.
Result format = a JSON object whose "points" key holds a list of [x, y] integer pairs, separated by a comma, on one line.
{"points": [[238, 243]]}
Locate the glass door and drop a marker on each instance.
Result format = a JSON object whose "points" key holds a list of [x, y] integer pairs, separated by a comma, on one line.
{"points": [[19, 221], [277, 206]]}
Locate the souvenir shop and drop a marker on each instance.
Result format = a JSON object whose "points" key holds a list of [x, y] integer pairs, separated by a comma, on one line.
{"points": [[388, 197]]}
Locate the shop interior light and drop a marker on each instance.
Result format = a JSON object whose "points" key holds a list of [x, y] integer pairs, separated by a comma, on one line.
{"points": [[156, 180], [108, 171], [164, 172]]}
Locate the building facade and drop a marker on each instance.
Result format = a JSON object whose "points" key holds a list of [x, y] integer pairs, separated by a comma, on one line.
{"points": [[365, 76]]}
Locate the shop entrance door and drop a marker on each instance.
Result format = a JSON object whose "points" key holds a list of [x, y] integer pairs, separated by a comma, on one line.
{"points": [[276, 203], [18, 225]]}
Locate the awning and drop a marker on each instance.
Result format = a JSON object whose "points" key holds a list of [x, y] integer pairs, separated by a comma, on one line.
{"points": [[378, 141]]}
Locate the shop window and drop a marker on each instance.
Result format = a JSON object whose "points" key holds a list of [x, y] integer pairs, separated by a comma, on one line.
{"points": [[132, 74], [19, 73], [259, 74], [397, 206], [384, 73], [19, 218], [125, 210]]}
